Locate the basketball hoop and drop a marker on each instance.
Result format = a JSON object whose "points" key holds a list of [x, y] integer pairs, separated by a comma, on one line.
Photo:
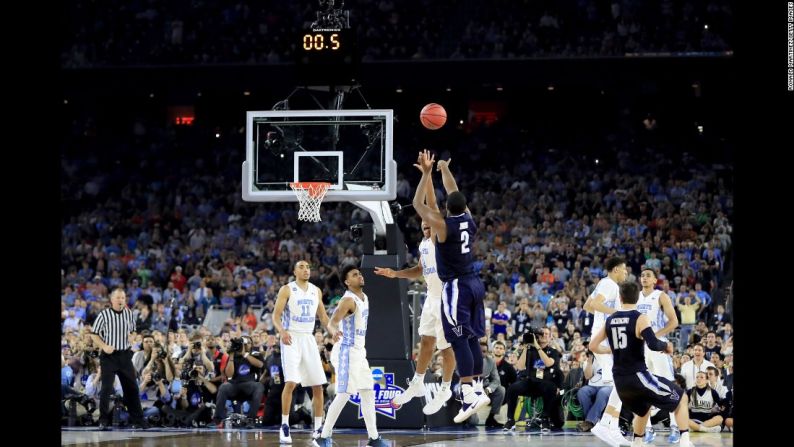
{"points": [[310, 196]]}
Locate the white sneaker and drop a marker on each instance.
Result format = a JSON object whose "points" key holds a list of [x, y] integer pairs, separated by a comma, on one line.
{"points": [[607, 435], [617, 436], [437, 402], [714, 429], [469, 409], [317, 433], [415, 388], [283, 435]]}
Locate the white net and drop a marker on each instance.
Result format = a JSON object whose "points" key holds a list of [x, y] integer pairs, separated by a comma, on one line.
{"points": [[310, 196]]}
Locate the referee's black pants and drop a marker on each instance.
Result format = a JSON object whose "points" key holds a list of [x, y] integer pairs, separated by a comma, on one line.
{"points": [[119, 362]]}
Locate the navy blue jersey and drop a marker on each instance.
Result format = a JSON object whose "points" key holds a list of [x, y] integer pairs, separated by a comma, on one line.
{"points": [[628, 350], [453, 256]]}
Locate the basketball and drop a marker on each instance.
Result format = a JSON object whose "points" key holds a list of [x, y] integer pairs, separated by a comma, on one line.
{"points": [[433, 116]]}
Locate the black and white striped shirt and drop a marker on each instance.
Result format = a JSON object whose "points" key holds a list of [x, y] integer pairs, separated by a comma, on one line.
{"points": [[114, 327]]}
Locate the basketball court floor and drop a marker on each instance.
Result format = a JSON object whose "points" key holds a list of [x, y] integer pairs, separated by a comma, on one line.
{"points": [[351, 438]]}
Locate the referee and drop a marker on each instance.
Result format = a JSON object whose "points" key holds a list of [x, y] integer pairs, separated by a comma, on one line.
{"points": [[111, 332]]}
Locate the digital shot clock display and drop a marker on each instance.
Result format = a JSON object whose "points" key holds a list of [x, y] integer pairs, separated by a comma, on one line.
{"points": [[326, 52]]}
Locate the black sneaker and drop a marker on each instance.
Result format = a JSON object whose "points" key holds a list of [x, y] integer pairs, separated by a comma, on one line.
{"points": [[509, 425], [143, 425], [102, 426], [377, 442], [491, 422]]}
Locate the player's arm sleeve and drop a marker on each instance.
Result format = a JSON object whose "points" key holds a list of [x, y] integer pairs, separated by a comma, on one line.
{"points": [[650, 338]]}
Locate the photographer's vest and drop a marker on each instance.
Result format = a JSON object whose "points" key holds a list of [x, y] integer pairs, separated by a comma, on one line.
{"points": [[243, 371]]}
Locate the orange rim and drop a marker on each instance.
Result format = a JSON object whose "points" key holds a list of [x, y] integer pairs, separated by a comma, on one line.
{"points": [[314, 188]]}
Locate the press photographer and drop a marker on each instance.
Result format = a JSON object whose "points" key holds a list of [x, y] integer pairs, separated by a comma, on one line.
{"points": [[539, 376], [196, 355], [193, 397], [155, 379], [242, 385]]}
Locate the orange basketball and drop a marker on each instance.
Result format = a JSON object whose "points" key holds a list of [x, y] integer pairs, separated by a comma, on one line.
{"points": [[433, 116]]}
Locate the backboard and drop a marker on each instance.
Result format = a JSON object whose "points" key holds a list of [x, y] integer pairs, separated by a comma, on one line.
{"points": [[351, 149]]}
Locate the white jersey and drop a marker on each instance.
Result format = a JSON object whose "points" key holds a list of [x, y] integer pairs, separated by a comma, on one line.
{"points": [[354, 326], [301, 309], [611, 292], [599, 374], [428, 258], [650, 307]]}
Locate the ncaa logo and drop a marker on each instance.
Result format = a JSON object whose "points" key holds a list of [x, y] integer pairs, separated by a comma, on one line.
{"points": [[385, 391]]}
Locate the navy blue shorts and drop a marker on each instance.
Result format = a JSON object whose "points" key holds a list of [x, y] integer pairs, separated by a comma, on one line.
{"points": [[639, 391], [462, 308]]}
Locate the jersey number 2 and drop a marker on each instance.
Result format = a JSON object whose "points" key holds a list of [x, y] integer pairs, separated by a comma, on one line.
{"points": [[619, 337], [464, 239]]}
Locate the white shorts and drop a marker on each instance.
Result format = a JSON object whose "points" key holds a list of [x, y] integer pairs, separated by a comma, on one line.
{"points": [[430, 322], [659, 363], [605, 361], [301, 360], [352, 369]]}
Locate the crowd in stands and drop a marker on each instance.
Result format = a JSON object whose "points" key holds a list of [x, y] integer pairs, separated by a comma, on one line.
{"points": [[198, 32]]}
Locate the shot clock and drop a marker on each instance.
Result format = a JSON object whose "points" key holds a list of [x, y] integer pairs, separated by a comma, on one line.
{"points": [[323, 41], [326, 53]]}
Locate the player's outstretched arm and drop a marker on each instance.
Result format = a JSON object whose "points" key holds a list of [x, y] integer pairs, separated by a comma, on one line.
{"points": [[430, 216], [409, 273], [430, 193], [447, 178], [446, 175]]}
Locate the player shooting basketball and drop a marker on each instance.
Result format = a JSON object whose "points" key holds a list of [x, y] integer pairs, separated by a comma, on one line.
{"points": [[462, 290], [430, 327]]}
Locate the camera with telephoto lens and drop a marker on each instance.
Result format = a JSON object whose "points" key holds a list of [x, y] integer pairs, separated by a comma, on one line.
{"points": [[156, 376], [188, 374], [93, 354], [161, 354], [236, 345], [529, 337], [196, 345]]}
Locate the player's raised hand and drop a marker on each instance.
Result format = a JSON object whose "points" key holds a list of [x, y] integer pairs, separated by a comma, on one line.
{"points": [[425, 161], [443, 164], [387, 272]]}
